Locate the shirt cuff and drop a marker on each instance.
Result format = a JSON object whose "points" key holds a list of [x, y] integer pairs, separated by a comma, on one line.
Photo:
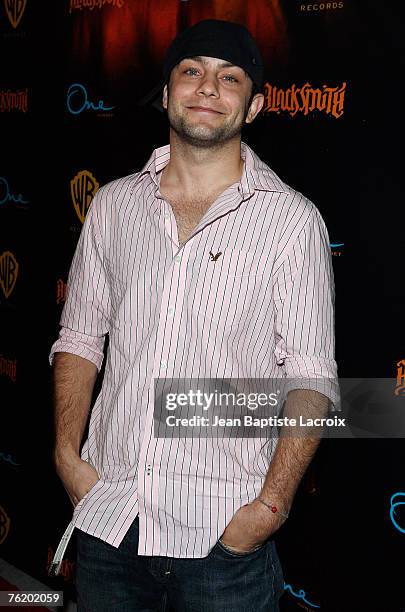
{"points": [[315, 373], [83, 345]]}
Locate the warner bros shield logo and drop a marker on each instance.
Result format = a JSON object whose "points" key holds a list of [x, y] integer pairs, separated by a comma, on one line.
{"points": [[83, 188], [15, 10], [8, 272]]}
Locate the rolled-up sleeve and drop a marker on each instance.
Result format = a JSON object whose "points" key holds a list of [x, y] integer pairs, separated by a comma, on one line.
{"points": [[85, 317], [304, 295]]}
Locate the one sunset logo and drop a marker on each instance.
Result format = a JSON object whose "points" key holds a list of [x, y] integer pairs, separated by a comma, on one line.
{"points": [[397, 501], [8, 195], [78, 101], [337, 248]]}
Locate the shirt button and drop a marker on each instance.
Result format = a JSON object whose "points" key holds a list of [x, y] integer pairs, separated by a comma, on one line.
{"points": [[167, 215], [163, 363], [170, 312], [177, 258]]}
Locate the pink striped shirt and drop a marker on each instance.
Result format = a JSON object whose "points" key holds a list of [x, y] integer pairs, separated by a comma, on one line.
{"points": [[263, 309]]}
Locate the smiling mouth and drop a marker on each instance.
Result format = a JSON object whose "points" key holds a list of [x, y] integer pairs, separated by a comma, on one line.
{"points": [[201, 109]]}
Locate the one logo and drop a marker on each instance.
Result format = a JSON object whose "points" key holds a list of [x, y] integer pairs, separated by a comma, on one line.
{"points": [[305, 99], [78, 101], [60, 291], [8, 458], [336, 248], [8, 367], [4, 524], [15, 10], [7, 196], [215, 257], [13, 100], [8, 272], [400, 387], [398, 499], [83, 188], [300, 595]]}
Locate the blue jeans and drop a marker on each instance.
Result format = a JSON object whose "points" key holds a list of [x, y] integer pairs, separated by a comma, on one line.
{"points": [[110, 579]]}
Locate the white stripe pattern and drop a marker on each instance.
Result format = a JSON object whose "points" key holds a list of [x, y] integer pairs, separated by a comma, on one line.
{"points": [[263, 309]]}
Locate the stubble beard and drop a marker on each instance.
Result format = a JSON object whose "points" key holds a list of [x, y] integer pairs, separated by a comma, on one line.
{"points": [[203, 135]]}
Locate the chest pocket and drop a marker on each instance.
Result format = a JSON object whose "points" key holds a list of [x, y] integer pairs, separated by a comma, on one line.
{"points": [[223, 288]]}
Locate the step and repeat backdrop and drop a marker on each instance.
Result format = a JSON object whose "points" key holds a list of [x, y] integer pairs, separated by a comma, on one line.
{"points": [[72, 75]]}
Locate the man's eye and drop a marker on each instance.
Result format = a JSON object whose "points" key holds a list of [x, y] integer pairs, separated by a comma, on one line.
{"points": [[193, 69], [230, 76]]}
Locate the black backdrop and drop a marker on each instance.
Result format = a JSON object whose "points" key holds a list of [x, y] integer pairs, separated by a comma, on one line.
{"points": [[340, 549]]}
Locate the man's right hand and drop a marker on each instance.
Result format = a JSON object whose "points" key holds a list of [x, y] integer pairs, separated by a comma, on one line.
{"points": [[77, 477]]}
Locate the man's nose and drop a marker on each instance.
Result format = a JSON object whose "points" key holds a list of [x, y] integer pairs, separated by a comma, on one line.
{"points": [[208, 85]]}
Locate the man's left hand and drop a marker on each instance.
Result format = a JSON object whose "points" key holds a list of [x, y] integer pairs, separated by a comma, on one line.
{"points": [[250, 526]]}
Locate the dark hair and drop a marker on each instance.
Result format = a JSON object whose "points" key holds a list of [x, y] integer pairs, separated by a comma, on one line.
{"points": [[254, 91]]}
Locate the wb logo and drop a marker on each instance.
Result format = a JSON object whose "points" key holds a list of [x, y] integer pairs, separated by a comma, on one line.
{"points": [[83, 188], [8, 272], [4, 524], [15, 10]]}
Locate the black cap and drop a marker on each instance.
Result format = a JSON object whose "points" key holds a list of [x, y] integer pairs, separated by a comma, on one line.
{"points": [[214, 38]]}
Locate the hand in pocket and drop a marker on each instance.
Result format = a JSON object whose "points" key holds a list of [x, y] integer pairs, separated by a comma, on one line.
{"points": [[77, 477]]}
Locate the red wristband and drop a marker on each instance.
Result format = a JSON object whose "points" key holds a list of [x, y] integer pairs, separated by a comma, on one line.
{"points": [[272, 508]]}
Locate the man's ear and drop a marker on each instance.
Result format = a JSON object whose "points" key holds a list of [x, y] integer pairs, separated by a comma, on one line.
{"points": [[164, 97], [256, 106]]}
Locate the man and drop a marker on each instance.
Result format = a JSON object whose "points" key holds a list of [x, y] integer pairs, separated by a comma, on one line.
{"points": [[203, 265]]}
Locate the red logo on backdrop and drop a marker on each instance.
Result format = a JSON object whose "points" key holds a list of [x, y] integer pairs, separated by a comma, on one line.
{"points": [[148, 28], [8, 367], [92, 4], [60, 291], [305, 99], [400, 387], [66, 569], [13, 100], [15, 10]]}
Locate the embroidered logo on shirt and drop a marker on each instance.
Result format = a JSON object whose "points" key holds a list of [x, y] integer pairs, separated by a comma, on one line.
{"points": [[215, 257]]}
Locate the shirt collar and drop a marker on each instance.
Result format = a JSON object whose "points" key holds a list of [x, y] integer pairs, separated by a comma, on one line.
{"points": [[256, 174]]}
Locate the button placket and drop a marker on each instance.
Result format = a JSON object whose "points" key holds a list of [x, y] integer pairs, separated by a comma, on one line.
{"points": [[170, 314]]}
